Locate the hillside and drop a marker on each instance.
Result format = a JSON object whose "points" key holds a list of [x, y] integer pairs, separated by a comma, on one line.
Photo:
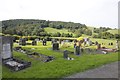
{"points": [[114, 31], [42, 28], [30, 27], [53, 30]]}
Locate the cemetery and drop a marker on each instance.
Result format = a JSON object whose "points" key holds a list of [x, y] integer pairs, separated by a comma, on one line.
{"points": [[59, 59], [55, 39]]}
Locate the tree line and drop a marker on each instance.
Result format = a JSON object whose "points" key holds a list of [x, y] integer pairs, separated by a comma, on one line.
{"points": [[31, 27]]}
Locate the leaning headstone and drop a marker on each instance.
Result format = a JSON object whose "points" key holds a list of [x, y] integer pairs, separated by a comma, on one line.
{"points": [[55, 46]]}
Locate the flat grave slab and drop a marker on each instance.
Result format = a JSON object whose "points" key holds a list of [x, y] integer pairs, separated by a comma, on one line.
{"points": [[7, 57], [35, 55]]}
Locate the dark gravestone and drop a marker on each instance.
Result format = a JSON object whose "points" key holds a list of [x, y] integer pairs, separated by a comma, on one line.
{"points": [[96, 43], [34, 42], [55, 46], [65, 54], [22, 41], [77, 50], [14, 39], [111, 43]]}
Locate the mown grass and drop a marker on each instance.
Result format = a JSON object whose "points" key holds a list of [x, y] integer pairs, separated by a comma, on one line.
{"points": [[59, 67]]}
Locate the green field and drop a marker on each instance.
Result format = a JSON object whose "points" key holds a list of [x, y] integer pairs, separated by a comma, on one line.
{"points": [[59, 67], [114, 31], [53, 30]]}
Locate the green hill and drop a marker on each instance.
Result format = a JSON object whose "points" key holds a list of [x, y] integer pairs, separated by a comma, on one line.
{"points": [[42, 28], [115, 31], [53, 30]]}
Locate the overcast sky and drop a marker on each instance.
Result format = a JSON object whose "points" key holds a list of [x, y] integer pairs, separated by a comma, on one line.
{"points": [[90, 12]]}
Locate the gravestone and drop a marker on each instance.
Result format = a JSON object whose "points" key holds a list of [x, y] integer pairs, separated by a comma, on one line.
{"points": [[7, 44], [22, 41], [96, 43], [77, 50], [111, 43], [55, 46], [34, 42], [65, 54]]}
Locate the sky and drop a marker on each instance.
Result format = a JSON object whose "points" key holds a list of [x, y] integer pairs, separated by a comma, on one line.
{"points": [[97, 13]]}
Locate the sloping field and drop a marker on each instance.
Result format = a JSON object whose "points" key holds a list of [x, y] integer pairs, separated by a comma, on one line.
{"points": [[114, 31]]}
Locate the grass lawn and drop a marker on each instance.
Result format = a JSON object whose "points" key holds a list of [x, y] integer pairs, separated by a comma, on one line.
{"points": [[105, 42], [59, 67]]}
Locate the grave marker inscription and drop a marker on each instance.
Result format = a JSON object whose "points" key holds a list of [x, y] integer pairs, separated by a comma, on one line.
{"points": [[7, 57]]}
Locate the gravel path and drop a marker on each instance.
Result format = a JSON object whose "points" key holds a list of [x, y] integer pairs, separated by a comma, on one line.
{"points": [[105, 71]]}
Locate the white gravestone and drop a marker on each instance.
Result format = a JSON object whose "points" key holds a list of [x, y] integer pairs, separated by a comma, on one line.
{"points": [[6, 52]]}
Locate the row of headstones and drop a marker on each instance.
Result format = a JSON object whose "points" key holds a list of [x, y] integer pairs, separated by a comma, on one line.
{"points": [[22, 42], [55, 44]]}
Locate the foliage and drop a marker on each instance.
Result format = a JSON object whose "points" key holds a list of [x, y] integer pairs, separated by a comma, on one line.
{"points": [[29, 27], [42, 28]]}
